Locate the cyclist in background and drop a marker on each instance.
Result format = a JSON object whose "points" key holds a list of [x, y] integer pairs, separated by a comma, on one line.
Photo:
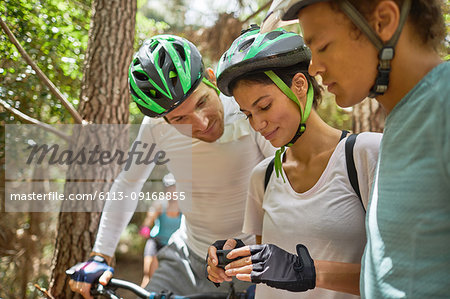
{"points": [[161, 221], [389, 50], [211, 163], [310, 199]]}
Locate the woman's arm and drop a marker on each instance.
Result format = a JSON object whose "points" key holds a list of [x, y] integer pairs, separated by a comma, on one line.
{"points": [[273, 261], [337, 276], [152, 215]]}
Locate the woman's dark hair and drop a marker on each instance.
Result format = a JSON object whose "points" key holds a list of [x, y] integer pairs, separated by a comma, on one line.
{"points": [[425, 15], [285, 74]]}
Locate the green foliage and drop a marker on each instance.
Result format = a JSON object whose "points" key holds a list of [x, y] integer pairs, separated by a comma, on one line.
{"points": [[136, 115], [334, 115], [145, 28], [446, 50], [55, 34], [165, 11], [131, 243]]}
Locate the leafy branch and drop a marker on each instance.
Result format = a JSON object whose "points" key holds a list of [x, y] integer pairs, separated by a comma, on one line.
{"points": [[34, 121], [76, 116]]}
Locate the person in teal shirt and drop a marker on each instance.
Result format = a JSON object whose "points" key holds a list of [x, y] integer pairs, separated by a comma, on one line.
{"points": [[407, 254], [162, 220], [389, 50]]}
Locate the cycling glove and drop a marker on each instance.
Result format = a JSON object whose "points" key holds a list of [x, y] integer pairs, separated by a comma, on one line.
{"points": [[283, 270], [89, 271]]}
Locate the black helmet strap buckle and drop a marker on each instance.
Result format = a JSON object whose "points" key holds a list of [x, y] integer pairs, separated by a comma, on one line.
{"points": [[384, 68], [385, 51], [300, 130]]}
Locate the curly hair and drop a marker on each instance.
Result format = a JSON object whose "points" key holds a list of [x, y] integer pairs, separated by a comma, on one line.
{"points": [[426, 16]]}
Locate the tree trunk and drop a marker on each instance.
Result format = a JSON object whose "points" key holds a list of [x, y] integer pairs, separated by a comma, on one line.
{"points": [[104, 99], [368, 116]]}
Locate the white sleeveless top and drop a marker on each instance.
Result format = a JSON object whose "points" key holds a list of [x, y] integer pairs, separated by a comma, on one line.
{"points": [[328, 218]]}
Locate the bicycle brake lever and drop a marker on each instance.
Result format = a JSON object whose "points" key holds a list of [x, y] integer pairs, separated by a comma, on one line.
{"points": [[97, 289], [100, 290], [112, 294]]}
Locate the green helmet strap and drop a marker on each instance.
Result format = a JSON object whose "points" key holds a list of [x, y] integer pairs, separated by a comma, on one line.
{"points": [[304, 116], [206, 81], [283, 87], [278, 164]]}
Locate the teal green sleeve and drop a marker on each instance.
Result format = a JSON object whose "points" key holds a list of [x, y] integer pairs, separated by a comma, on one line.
{"points": [[446, 136]]}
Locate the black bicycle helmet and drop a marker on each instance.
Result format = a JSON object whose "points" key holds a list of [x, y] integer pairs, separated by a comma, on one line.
{"points": [[163, 73], [285, 10], [253, 51]]}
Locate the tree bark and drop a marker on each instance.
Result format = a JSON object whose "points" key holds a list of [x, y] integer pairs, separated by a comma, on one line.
{"points": [[368, 116], [104, 99]]}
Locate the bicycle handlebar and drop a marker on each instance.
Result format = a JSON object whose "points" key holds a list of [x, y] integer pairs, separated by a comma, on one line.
{"points": [[114, 283], [109, 291]]}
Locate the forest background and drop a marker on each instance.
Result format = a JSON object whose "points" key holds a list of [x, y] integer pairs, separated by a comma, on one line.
{"points": [[63, 40]]}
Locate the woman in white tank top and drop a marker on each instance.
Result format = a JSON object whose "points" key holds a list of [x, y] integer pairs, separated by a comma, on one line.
{"points": [[310, 200]]}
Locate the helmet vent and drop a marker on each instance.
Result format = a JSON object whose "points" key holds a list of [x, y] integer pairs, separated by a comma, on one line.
{"points": [[140, 76], [173, 77], [153, 46], [152, 93], [273, 35], [162, 57], [246, 44], [180, 50]]}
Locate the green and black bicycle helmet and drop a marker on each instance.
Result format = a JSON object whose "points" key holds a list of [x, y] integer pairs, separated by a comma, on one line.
{"points": [[163, 73], [286, 10], [255, 52]]}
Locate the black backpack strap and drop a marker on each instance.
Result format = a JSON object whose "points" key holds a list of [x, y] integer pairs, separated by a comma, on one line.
{"points": [[343, 134], [269, 171], [351, 169]]}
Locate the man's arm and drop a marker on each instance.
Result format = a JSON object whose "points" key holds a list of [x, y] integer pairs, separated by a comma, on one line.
{"points": [[107, 258], [117, 214], [115, 217]]}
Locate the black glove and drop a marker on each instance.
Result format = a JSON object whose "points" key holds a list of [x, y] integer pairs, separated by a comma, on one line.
{"points": [[219, 245], [283, 270]]}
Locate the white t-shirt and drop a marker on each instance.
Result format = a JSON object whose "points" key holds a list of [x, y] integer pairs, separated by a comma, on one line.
{"points": [[214, 177], [328, 218]]}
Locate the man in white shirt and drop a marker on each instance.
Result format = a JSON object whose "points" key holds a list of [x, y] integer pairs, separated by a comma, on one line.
{"points": [[211, 162]]}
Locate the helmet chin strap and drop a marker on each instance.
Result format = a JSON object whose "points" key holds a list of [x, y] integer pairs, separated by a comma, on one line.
{"points": [[207, 82], [304, 117], [385, 51]]}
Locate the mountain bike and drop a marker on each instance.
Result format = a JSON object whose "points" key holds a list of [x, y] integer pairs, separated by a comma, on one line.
{"points": [[109, 291]]}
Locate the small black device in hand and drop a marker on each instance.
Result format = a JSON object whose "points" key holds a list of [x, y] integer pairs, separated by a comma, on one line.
{"points": [[222, 258]]}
